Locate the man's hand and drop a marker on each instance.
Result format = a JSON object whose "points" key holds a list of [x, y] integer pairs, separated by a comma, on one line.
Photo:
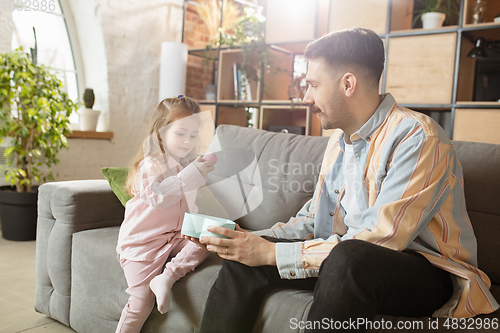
{"points": [[243, 246]]}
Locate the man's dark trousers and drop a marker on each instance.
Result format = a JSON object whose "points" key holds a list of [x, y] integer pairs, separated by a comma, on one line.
{"points": [[357, 280]]}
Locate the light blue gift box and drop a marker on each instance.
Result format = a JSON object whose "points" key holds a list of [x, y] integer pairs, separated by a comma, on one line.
{"points": [[194, 225]]}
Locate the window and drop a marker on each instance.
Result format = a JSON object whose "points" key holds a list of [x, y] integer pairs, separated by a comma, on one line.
{"points": [[54, 46]]}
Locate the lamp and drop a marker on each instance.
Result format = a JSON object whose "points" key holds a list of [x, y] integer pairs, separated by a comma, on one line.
{"points": [[173, 67], [479, 50]]}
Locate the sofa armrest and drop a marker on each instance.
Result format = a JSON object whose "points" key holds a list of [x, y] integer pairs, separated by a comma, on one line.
{"points": [[63, 209]]}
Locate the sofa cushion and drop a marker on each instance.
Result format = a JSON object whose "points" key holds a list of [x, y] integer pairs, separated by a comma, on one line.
{"points": [[288, 164], [98, 283], [63, 209], [480, 162], [98, 288]]}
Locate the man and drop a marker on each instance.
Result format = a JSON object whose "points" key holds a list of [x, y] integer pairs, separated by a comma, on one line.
{"points": [[386, 231]]}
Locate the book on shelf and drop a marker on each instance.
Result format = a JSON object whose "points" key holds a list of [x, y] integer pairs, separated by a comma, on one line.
{"points": [[237, 95], [246, 92], [242, 90]]}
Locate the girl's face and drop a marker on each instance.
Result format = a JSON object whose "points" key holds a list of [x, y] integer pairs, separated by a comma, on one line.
{"points": [[181, 137]]}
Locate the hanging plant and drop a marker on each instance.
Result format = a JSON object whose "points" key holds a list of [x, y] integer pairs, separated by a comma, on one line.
{"points": [[250, 35]]}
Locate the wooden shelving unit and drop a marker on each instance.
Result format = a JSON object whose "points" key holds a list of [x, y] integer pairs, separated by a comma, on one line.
{"points": [[269, 92], [276, 115], [492, 8], [426, 69], [418, 66]]}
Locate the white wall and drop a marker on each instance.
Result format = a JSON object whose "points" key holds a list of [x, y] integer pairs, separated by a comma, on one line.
{"points": [[6, 29], [132, 32]]}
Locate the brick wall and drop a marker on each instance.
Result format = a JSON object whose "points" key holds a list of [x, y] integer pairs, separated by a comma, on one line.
{"points": [[195, 32], [198, 75]]}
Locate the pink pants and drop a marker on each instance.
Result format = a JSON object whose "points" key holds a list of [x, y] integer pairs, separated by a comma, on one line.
{"points": [[186, 256]]}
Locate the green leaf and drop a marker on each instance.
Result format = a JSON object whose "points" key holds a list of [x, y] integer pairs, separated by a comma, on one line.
{"points": [[8, 151]]}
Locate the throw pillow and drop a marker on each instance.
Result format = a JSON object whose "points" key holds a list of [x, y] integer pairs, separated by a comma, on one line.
{"points": [[117, 178]]}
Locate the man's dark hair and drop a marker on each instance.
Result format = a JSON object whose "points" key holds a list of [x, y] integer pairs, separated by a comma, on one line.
{"points": [[357, 47]]}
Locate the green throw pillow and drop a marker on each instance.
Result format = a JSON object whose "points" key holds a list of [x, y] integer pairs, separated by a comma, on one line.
{"points": [[117, 178]]}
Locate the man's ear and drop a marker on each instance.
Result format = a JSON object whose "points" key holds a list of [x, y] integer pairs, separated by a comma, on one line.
{"points": [[349, 84]]}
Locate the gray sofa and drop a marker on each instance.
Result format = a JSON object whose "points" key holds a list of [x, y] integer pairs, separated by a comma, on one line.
{"points": [[81, 284]]}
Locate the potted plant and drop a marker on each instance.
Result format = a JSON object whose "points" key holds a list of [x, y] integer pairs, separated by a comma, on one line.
{"points": [[34, 119], [497, 18], [88, 116], [434, 13]]}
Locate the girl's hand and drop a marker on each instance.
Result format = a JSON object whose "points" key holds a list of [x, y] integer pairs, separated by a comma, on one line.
{"points": [[204, 167], [196, 241]]}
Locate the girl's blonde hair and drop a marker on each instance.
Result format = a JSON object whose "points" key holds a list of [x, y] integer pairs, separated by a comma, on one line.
{"points": [[167, 111]]}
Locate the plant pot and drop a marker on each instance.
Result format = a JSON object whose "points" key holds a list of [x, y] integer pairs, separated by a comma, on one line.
{"points": [[88, 119], [18, 214], [433, 20]]}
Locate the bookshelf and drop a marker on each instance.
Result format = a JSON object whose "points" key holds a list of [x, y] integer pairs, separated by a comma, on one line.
{"points": [[427, 70]]}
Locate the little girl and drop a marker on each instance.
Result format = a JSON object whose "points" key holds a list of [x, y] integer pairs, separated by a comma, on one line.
{"points": [[164, 185]]}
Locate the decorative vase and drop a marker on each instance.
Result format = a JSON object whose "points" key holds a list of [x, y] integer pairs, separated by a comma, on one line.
{"points": [[210, 92], [88, 119], [18, 213], [478, 12], [433, 20]]}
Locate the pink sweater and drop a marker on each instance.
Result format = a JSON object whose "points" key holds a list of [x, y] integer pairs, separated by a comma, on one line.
{"points": [[153, 217]]}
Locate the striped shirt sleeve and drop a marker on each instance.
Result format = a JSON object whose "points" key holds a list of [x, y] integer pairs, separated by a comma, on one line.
{"points": [[298, 227], [416, 184]]}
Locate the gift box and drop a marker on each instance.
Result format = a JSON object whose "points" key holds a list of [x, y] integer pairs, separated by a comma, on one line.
{"points": [[195, 225]]}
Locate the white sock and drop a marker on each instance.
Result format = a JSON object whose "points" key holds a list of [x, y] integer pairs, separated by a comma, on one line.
{"points": [[161, 286]]}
